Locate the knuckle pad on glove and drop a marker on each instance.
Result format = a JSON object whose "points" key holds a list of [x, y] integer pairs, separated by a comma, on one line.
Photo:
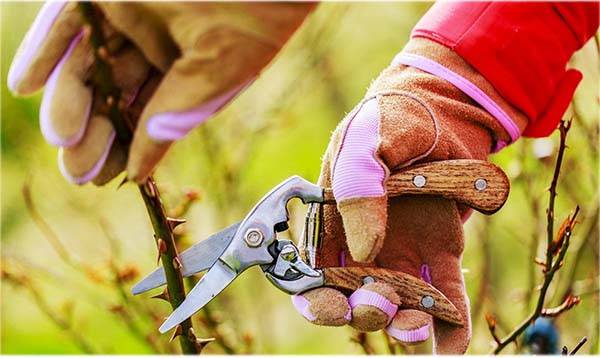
{"points": [[373, 306], [410, 326], [323, 306]]}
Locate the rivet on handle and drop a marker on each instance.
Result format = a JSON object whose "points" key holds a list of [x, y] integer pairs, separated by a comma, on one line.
{"points": [[419, 181], [427, 301], [480, 184]]}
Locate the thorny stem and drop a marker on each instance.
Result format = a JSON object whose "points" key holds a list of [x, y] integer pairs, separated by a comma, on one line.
{"points": [[163, 233], [551, 266]]}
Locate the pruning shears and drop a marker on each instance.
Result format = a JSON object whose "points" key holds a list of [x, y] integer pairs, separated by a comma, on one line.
{"points": [[254, 241]]}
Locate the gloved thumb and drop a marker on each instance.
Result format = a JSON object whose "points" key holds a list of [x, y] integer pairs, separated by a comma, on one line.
{"points": [[358, 181]]}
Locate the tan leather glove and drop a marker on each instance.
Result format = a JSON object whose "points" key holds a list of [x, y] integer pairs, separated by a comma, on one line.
{"points": [[408, 116], [176, 62]]}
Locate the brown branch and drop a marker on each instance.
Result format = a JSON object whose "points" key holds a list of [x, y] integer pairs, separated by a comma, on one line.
{"points": [[163, 234], [568, 303], [565, 350], [556, 249]]}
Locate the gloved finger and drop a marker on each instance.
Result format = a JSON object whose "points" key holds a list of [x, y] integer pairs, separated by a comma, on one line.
{"points": [[387, 130], [83, 162], [448, 278], [410, 327], [373, 306], [67, 100], [425, 238], [98, 156], [195, 87], [48, 38], [358, 178], [323, 306]]}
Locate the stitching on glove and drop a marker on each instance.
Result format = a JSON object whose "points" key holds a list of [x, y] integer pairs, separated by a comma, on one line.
{"points": [[434, 120]]}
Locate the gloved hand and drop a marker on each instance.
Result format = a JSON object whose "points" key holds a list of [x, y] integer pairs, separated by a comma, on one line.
{"points": [[408, 116], [176, 63]]}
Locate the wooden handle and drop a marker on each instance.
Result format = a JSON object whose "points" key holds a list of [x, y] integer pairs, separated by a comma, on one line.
{"points": [[481, 185], [413, 292]]}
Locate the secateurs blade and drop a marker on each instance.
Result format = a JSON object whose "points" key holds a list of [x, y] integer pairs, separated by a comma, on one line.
{"points": [[254, 241]]}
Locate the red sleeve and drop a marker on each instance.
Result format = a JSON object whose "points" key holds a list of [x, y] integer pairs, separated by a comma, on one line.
{"points": [[522, 49]]}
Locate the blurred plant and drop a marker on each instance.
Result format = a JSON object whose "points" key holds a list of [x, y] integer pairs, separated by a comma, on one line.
{"points": [[556, 249]]}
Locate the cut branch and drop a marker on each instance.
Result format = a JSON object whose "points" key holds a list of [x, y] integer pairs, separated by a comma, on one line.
{"points": [[110, 94]]}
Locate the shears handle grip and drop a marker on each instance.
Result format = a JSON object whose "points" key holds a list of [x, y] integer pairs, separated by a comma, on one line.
{"points": [[478, 184], [413, 292]]}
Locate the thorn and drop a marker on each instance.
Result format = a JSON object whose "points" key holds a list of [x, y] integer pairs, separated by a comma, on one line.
{"points": [[164, 295], [174, 222], [103, 53], [177, 263], [178, 331], [202, 342], [191, 333], [162, 248]]}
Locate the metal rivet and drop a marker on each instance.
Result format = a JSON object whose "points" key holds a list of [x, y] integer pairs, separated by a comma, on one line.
{"points": [[419, 181], [254, 237], [427, 301], [480, 184], [368, 279]]}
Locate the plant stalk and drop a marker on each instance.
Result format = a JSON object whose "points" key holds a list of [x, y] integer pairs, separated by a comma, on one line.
{"points": [[163, 232]]}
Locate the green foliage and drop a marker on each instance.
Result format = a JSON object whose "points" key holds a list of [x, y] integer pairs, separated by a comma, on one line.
{"points": [[279, 127]]}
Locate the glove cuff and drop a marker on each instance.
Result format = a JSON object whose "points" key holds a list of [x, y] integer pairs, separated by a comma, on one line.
{"points": [[436, 59]]}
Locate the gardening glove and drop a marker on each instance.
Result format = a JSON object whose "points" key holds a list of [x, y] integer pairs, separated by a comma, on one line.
{"points": [[176, 65], [409, 115]]}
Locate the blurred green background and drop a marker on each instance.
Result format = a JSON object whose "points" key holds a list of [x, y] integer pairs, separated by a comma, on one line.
{"points": [[277, 128]]}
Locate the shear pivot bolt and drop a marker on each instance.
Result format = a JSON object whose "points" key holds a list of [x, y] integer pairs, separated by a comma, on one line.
{"points": [[419, 181], [427, 301], [254, 237], [480, 184]]}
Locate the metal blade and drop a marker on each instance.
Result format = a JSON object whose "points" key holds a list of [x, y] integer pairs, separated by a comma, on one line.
{"points": [[216, 279], [199, 257]]}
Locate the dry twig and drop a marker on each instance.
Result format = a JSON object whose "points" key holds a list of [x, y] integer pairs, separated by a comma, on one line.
{"points": [[555, 251]]}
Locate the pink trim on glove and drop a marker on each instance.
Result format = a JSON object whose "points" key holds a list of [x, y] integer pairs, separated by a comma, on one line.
{"points": [[467, 87], [356, 172], [409, 336], [170, 126], [425, 274], [45, 110], [92, 173], [365, 297], [302, 305], [33, 40]]}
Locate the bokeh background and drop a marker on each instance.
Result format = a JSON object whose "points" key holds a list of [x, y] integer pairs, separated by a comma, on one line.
{"points": [[70, 254]]}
